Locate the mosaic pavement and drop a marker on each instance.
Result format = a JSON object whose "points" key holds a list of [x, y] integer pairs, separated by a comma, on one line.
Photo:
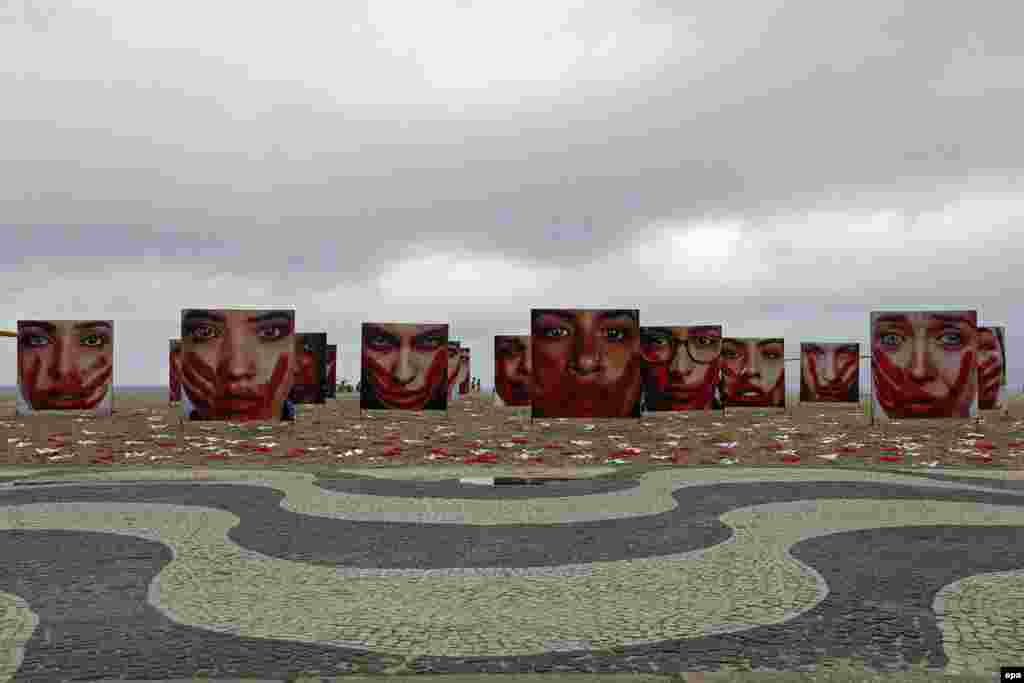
{"points": [[150, 574]]}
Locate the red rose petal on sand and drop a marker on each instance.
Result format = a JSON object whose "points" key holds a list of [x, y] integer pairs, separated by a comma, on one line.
{"points": [[776, 446], [554, 445], [439, 451], [519, 439], [985, 444], [263, 449], [166, 444], [791, 458], [217, 456], [1015, 444], [848, 449], [394, 450], [889, 449], [536, 461], [891, 458]]}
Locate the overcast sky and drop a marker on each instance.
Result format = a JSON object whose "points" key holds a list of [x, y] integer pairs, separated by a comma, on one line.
{"points": [[781, 168]]}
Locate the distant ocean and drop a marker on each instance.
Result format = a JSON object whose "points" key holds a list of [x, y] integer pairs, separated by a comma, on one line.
{"points": [[126, 387]]}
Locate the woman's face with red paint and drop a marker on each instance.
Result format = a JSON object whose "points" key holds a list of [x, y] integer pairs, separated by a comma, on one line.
{"points": [[237, 364], [754, 372], [828, 371], [586, 363], [924, 364], [307, 361], [991, 370], [406, 363], [681, 366], [332, 365], [463, 367], [454, 362], [175, 370], [65, 364], [512, 368]]}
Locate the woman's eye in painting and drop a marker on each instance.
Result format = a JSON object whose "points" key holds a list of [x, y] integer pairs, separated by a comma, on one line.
{"points": [[554, 332], [94, 340], [200, 334]]}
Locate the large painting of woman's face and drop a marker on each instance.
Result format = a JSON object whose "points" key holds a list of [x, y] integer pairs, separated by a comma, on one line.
{"points": [[829, 372], [513, 363], [754, 372], [404, 366], [332, 370], [65, 365], [310, 369], [586, 363], [463, 376], [174, 363], [237, 364], [681, 367], [992, 385], [454, 364], [924, 364]]}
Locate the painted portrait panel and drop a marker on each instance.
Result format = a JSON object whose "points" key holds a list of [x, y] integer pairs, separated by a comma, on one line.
{"points": [[65, 365], [454, 364], [332, 371], [754, 372], [681, 367], [174, 370], [237, 364], [310, 384], [464, 370], [829, 372], [924, 364], [586, 363], [512, 368], [993, 389], [404, 366]]}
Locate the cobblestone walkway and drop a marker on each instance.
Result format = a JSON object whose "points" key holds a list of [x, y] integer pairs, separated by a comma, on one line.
{"points": [[144, 574]]}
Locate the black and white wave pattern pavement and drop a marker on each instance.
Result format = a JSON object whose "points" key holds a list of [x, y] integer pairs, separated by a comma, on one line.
{"points": [[267, 574]]}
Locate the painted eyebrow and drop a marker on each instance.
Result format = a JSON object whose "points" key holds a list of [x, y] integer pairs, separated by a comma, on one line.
{"points": [[370, 329], [704, 330], [765, 342], [49, 327], [93, 323], [570, 314], [431, 332], [899, 318], [271, 315], [951, 319]]}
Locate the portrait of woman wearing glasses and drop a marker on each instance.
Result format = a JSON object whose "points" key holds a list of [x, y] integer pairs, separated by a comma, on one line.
{"points": [[681, 367]]}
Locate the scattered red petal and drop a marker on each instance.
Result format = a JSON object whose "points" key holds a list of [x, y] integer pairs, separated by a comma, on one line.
{"points": [[985, 444], [791, 458], [891, 458], [394, 450]]}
